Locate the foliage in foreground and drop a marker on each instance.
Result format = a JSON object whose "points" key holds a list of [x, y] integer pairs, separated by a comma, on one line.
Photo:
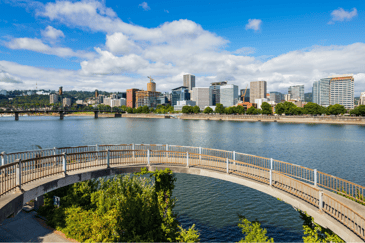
{"points": [[253, 231], [123, 208], [313, 232]]}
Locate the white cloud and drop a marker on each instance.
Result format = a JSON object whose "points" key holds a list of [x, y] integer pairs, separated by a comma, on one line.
{"points": [[52, 33], [245, 51], [38, 46], [145, 6], [168, 51], [166, 11], [342, 15], [254, 24]]}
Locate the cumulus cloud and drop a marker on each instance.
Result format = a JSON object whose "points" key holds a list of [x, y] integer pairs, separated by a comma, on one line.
{"points": [[254, 24], [52, 33], [38, 46], [342, 15], [245, 51], [168, 51], [145, 6], [7, 78]]}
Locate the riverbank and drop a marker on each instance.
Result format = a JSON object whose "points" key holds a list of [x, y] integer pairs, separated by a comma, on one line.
{"points": [[279, 119], [340, 120]]}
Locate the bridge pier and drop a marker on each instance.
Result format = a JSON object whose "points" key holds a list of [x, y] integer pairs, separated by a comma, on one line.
{"points": [[61, 115], [16, 116], [96, 114]]}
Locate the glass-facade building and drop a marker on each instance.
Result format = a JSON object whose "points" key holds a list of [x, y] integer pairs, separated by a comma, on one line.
{"points": [[342, 91], [214, 90], [276, 97], [321, 92], [229, 95], [179, 94], [296, 92]]}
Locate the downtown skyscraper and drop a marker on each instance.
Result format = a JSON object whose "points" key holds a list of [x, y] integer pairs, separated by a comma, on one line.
{"points": [[258, 90], [189, 81]]}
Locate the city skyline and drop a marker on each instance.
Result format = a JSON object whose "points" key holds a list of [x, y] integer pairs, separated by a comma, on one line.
{"points": [[56, 43]]}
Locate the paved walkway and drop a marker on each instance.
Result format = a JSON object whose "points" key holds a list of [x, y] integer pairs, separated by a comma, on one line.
{"points": [[25, 228]]}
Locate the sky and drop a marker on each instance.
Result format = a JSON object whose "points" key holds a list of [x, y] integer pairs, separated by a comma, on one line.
{"points": [[114, 45]]}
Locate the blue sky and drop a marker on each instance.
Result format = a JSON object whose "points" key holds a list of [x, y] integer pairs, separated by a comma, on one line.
{"points": [[114, 45]]}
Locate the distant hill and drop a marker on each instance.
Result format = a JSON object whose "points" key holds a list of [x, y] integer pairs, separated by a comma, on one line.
{"points": [[308, 97]]}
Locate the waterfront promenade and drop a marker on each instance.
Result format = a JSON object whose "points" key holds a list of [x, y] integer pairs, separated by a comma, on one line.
{"points": [[28, 175]]}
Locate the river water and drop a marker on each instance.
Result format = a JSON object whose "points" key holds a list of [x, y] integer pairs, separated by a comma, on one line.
{"points": [[211, 204]]}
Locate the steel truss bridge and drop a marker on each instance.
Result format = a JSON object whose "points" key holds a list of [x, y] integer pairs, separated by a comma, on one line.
{"points": [[333, 202]]}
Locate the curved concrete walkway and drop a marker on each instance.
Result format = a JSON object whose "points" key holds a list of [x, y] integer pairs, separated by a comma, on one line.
{"points": [[13, 203]]}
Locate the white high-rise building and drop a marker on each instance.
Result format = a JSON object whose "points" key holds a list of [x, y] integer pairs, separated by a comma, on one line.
{"points": [[296, 92], [362, 99], [66, 102], [229, 95], [53, 98], [201, 96], [189, 81], [342, 90], [321, 92]]}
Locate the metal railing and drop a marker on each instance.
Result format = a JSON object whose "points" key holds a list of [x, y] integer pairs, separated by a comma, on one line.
{"points": [[317, 178], [290, 178]]}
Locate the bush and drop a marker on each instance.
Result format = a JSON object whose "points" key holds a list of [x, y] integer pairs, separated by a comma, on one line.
{"points": [[208, 110]]}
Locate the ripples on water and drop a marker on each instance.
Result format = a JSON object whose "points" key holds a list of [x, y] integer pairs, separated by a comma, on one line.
{"points": [[211, 204]]}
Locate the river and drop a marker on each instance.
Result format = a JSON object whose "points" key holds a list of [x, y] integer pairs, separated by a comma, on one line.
{"points": [[211, 204]]}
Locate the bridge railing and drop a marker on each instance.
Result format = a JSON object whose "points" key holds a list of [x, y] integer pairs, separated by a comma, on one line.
{"points": [[21, 172], [344, 214], [338, 185]]}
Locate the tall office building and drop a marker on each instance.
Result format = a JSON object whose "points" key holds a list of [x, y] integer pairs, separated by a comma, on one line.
{"points": [[96, 93], [148, 98], [201, 96], [257, 90], [214, 90], [342, 90], [296, 92], [321, 92], [362, 99], [276, 97], [53, 98], [131, 97], [229, 95], [179, 94], [189, 81]]}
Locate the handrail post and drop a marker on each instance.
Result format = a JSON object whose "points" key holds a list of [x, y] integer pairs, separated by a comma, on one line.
{"points": [[270, 177], [271, 164], [227, 166], [107, 158], [97, 152], [148, 157], [18, 174], [187, 159], [315, 177], [320, 206], [200, 153], [234, 155], [167, 149], [3, 158], [133, 149], [64, 163]]}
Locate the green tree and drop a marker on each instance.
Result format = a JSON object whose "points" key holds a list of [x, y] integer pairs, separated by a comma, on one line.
{"points": [[251, 111], [253, 231], [187, 109], [266, 108], [279, 108], [288, 106], [129, 110], [196, 109], [239, 109], [145, 109], [313, 108], [229, 110], [208, 110], [219, 108], [336, 109]]}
